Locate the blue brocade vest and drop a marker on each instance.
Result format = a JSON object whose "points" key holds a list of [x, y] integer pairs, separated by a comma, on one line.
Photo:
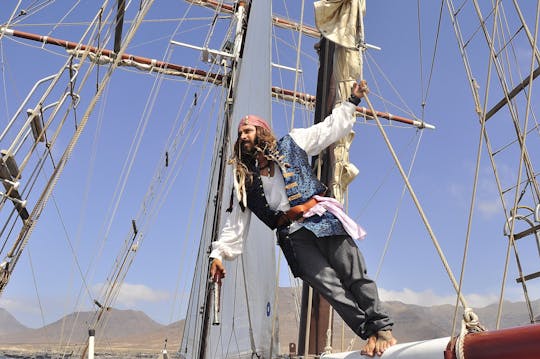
{"points": [[300, 185]]}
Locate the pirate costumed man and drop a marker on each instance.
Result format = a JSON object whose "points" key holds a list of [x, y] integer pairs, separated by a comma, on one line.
{"points": [[274, 180]]}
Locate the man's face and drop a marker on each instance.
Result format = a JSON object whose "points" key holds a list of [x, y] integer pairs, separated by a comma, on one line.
{"points": [[247, 135]]}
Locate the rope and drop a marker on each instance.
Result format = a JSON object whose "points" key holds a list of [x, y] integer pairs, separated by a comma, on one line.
{"points": [[296, 73], [537, 56], [396, 213], [150, 198], [351, 343], [416, 202], [405, 109], [420, 53], [523, 158], [251, 337], [201, 257], [67, 153], [469, 324], [275, 307], [11, 17], [432, 67], [32, 270], [328, 346], [105, 303], [63, 17], [28, 226], [476, 175], [192, 213], [31, 10]]}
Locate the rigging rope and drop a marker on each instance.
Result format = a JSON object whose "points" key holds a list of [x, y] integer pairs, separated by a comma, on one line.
{"points": [[76, 129], [297, 60], [432, 66], [67, 153], [420, 53], [396, 213], [476, 176], [415, 200], [275, 308], [64, 17], [368, 60], [32, 9], [523, 158], [34, 281], [148, 206], [156, 178], [495, 59], [11, 17], [190, 219]]}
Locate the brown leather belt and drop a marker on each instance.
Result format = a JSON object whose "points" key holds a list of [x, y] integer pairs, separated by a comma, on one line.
{"points": [[295, 213]]}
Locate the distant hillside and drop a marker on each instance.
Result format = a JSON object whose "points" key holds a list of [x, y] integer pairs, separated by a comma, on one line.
{"points": [[412, 322], [119, 324], [8, 323], [129, 330]]}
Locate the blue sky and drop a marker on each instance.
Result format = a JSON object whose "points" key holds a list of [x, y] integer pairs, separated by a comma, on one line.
{"points": [[78, 219]]}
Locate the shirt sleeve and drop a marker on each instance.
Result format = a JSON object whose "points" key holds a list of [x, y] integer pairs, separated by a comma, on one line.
{"points": [[230, 241], [316, 138]]}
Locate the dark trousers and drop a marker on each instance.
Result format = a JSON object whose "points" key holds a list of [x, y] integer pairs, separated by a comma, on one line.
{"points": [[335, 268]]}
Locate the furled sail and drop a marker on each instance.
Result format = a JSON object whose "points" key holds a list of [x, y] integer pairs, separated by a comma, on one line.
{"points": [[341, 22]]}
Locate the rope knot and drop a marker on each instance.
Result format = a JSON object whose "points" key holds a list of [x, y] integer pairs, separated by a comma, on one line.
{"points": [[472, 322]]}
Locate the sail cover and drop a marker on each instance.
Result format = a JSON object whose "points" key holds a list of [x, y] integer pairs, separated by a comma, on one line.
{"points": [[342, 22], [248, 291]]}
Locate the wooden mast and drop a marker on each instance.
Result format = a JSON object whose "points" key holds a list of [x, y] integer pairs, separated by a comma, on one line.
{"points": [[320, 313]]}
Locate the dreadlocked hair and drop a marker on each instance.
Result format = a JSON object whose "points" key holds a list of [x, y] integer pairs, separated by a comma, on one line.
{"points": [[242, 161]]}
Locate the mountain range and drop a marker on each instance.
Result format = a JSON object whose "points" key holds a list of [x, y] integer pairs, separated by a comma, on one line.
{"points": [[130, 331]]}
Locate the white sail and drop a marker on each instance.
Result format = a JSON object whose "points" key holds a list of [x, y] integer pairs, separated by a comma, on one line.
{"points": [[248, 290]]}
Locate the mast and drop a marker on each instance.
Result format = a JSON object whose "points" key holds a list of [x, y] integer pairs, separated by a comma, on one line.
{"points": [[340, 66], [319, 314]]}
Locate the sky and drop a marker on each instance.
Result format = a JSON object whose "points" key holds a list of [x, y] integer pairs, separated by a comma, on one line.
{"points": [[87, 220]]}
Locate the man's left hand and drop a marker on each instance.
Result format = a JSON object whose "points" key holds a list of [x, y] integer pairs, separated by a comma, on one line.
{"points": [[360, 89]]}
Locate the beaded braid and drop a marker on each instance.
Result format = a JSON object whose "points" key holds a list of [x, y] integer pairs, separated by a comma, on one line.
{"points": [[272, 154]]}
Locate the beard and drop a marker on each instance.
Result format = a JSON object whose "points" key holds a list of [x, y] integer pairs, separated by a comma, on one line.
{"points": [[248, 148]]}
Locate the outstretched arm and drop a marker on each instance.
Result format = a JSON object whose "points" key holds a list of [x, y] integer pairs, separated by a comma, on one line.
{"points": [[338, 124]]}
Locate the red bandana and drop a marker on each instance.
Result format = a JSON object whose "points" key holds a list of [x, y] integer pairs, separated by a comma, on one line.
{"points": [[254, 121]]}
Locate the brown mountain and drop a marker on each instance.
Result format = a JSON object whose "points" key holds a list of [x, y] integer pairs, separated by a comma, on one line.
{"points": [[412, 322], [133, 331], [119, 324], [8, 323]]}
